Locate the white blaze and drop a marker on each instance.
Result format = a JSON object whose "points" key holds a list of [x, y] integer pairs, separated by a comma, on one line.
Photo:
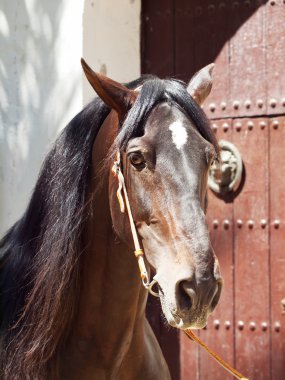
{"points": [[179, 134]]}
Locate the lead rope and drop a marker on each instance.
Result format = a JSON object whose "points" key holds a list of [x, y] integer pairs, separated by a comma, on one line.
{"points": [[139, 253], [224, 364]]}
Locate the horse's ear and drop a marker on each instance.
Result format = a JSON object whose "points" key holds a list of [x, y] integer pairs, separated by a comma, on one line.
{"points": [[113, 94], [200, 84]]}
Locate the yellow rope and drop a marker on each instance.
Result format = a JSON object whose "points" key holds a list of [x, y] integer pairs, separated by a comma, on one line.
{"points": [[225, 365]]}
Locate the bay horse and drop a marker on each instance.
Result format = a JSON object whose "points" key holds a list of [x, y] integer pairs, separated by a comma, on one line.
{"points": [[72, 301]]}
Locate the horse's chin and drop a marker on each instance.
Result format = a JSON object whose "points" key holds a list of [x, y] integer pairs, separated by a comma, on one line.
{"points": [[184, 320]]}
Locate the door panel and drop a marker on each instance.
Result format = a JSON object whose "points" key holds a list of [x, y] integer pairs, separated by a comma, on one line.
{"points": [[189, 359], [184, 35], [247, 60], [277, 243], [275, 44], [157, 38], [251, 252], [219, 334]]}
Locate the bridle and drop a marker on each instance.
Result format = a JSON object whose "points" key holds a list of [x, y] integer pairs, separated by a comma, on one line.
{"points": [[123, 199]]}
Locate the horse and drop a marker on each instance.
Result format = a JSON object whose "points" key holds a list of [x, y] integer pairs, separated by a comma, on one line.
{"points": [[72, 299]]}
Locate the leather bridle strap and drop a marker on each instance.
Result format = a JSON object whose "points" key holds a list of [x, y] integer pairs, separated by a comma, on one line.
{"points": [[123, 199]]}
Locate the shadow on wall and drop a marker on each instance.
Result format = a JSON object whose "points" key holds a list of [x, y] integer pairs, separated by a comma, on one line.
{"points": [[184, 24], [31, 110]]}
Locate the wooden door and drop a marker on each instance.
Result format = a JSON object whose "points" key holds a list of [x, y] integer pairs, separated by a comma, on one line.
{"points": [[246, 40]]}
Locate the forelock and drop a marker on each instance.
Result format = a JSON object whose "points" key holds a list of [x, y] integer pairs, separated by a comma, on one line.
{"points": [[152, 92]]}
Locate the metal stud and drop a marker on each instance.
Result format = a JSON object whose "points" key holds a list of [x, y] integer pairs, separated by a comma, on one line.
{"points": [[276, 223], [223, 105], [272, 2], [214, 127], [211, 8], [252, 326], [277, 326], [264, 326], [216, 324], [225, 127], [250, 224], [238, 126], [283, 100], [240, 325], [215, 223], [227, 325], [262, 124], [239, 223], [275, 124], [263, 223], [247, 103], [273, 103], [250, 125], [259, 103], [236, 104], [226, 224], [212, 107]]}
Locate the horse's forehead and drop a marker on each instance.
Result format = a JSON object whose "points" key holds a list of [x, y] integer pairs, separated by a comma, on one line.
{"points": [[179, 133], [168, 120]]}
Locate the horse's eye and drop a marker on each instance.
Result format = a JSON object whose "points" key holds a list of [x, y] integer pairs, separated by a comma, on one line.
{"points": [[137, 160]]}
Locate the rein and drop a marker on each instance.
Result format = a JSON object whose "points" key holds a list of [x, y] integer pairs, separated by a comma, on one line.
{"points": [[139, 253]]}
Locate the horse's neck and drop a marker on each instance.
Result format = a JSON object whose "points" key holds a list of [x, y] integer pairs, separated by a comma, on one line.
{"points": [[112, 301]]}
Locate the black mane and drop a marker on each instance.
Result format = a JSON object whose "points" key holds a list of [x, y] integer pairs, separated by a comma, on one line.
{"points": [[40, 269]]}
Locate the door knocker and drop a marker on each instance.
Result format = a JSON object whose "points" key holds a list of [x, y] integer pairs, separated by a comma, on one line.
{"points": [[225, 176]]}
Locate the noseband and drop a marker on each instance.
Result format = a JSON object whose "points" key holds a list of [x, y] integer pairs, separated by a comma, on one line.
{"points": [[124, 200]]}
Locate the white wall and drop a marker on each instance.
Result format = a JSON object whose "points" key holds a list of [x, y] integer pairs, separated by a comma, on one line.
{"points": [[41, 42], [112, 39], [40, 90]]}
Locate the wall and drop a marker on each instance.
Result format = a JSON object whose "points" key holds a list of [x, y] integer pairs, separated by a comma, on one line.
{"points": [[41, 79], [111, 42], [39, 68]]}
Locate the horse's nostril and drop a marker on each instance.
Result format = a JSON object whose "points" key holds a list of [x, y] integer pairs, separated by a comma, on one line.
{"points": [[186, 295], [217, 295]]}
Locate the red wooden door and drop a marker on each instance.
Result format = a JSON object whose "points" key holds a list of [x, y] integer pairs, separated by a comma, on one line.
{"points": [[246, 40]]}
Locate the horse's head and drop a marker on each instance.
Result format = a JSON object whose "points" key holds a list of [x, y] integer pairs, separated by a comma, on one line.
{"points": [[167, 148]]}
